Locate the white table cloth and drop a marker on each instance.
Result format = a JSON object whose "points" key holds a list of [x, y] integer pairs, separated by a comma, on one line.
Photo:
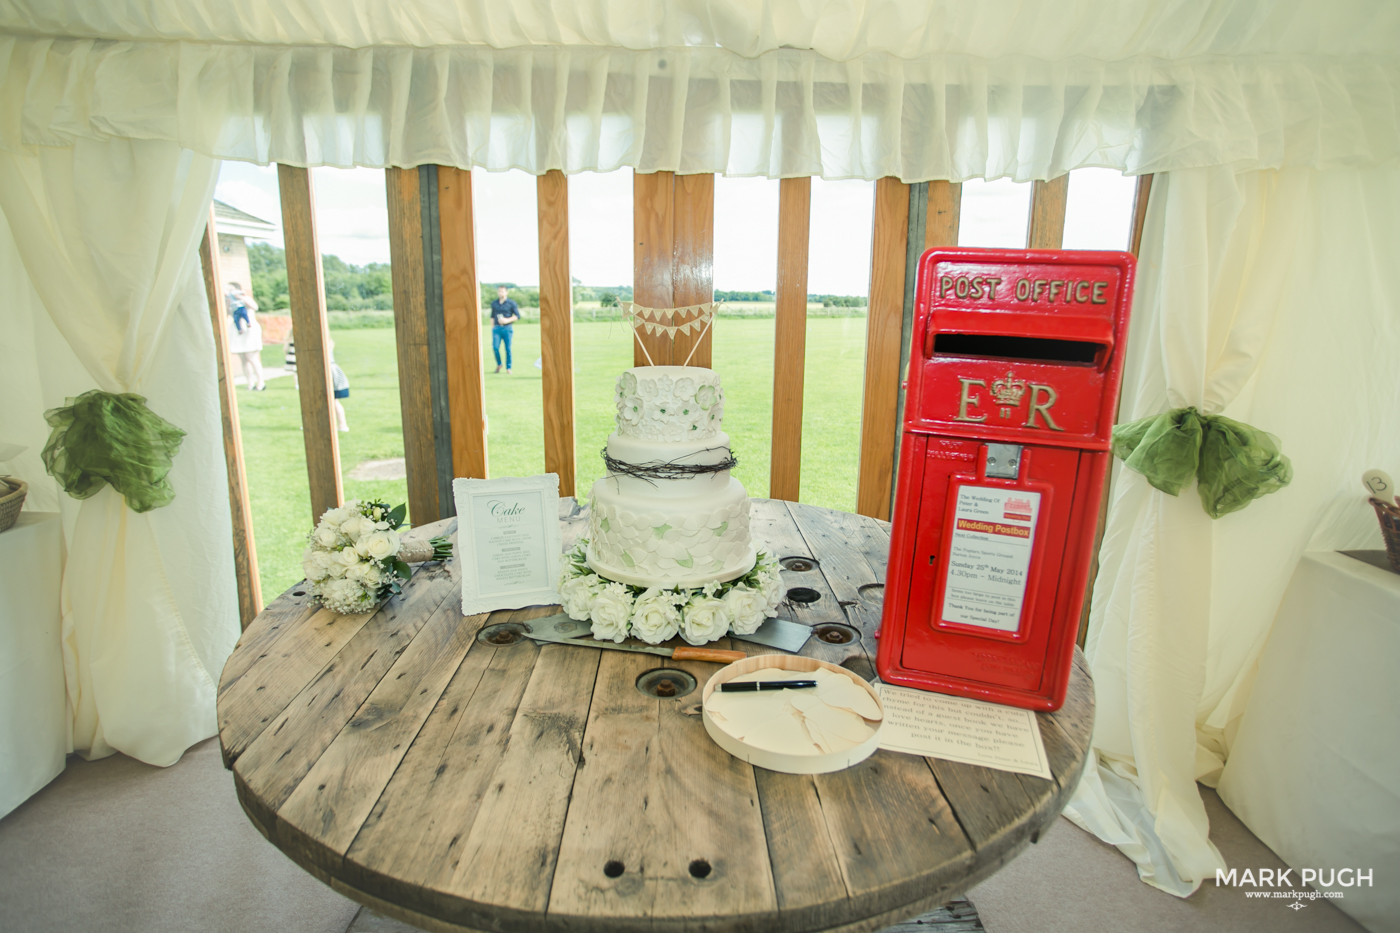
{"points": [[1315, 768], [33, 717]]}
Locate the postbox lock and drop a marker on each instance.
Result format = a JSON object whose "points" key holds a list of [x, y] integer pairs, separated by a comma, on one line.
{"points": [[1004, 460]]}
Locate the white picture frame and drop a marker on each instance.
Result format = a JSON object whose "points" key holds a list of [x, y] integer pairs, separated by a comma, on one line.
{"points": [[509, 543]]}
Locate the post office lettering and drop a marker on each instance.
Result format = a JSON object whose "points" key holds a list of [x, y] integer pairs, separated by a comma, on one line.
{"points": [[970, 287], [1061, 291]]}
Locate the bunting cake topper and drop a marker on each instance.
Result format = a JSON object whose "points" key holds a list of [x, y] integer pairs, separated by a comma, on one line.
{"points": [[691, 319]]}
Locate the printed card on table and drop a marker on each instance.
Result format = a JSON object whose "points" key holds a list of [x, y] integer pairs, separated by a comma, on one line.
{"points": [[509, 541], [958, 729]]}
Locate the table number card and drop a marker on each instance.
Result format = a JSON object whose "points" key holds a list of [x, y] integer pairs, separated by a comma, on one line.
{"points": [[958, 729], [508, 541]]}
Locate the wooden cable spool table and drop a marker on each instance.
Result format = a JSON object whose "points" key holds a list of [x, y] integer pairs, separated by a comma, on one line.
{"points": [[461, 785]]}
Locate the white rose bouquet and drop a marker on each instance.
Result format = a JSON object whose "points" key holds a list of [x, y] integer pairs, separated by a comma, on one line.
{"points": [[355, 557], [653, 614]]}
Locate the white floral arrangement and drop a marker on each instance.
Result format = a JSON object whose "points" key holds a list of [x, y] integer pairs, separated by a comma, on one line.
{"points": [[356, 558], [662, 408], [653, 614]]}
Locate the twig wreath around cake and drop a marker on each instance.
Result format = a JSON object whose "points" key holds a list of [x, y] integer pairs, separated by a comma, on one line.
{"points": [[668, 550]]}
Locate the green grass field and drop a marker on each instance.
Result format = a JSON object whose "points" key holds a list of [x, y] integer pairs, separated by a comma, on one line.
{"points": [[743, 355]]}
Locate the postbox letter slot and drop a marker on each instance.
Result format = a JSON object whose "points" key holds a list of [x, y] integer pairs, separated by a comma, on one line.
{"points": [[1016, 348]]}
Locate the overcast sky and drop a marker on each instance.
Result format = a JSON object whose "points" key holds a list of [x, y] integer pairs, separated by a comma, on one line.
{"points": [[352, 222]]}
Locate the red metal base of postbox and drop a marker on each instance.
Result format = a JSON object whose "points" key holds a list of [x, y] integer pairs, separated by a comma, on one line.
{"points": [[1012, 392]]}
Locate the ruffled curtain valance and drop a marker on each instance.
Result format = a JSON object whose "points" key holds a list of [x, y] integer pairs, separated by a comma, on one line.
{"points": [[787, 112]]}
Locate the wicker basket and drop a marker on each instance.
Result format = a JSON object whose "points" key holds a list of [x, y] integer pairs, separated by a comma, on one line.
{"points": [[12, 493], [1389, 515]]}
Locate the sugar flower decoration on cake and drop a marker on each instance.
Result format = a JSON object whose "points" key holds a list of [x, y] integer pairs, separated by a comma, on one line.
{"points": [[656, 614], [685, 388], [355, 557], [611, 613]]}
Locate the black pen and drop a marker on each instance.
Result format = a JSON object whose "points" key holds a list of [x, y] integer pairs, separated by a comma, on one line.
{"points": [[749, 686]]}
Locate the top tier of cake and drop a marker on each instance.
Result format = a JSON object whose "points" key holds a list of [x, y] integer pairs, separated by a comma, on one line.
{"points": [[669, 403]]}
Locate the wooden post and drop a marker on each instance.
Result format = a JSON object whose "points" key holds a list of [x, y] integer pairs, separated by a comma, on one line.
{"points": [[693, 270], [306, 294], [411, 337], [245, 550], [461, 312], [1046, 229], [944, 214], [1144, 188], [934, 210], [673, 219], [790, 337], [878, 427], [556, 327]]}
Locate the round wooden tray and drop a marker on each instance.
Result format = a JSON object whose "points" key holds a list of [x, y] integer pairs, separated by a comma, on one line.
{"points": [[460, 784]]}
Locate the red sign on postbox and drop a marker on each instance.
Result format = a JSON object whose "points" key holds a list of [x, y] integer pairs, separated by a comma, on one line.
{"points": [[1013, 384]]}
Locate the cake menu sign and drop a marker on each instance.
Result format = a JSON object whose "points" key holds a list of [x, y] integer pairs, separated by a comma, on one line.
{"points": [[509, 541]]}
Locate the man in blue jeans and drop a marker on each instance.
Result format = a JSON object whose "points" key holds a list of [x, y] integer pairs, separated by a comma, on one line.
{"points": [[504, 313]]}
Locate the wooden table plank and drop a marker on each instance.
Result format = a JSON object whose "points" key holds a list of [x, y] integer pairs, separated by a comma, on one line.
{"points": [[807, 873], [278, 617], [508, 858], [331, 804], [857, 586], [675, 816], [275, 762], [260, 695], [410, 844], [777, 525], [891, 825]]}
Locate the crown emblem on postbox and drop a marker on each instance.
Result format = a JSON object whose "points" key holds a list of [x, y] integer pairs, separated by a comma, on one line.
{"points": [[1008, 391]]}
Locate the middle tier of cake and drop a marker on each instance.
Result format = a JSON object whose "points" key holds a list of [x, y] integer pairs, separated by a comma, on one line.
{"points": [[657, 535]]}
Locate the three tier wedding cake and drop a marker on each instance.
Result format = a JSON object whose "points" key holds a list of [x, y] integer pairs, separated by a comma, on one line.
{"points": [[669, 513], [668, 550]]}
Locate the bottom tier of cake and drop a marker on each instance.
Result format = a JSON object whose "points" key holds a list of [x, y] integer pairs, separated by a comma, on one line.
{"points": [[669, 542]]}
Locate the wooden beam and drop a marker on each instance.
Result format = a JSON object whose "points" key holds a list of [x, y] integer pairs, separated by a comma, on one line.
{"points": [[307, 297], [673, 223], [1144, 189], [1046, 229], [1139, 219], [944, 214], [653, 246], [245, 550], [461, 312], [693, 270], [411, 338], [790, 337], [884, 325], [556, 327], [430, 229]]}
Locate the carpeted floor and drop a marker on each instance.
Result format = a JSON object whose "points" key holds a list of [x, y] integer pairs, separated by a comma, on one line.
{"points": [[120, 847]]}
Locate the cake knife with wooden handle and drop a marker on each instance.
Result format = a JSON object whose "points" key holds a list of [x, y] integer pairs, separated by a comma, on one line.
{"points": [[559, 629]]}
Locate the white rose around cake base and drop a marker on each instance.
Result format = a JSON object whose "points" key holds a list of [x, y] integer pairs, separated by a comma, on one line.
{"points": [[668, 551], [655, 614]]}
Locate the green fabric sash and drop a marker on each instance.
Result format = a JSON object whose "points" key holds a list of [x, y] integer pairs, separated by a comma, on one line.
{"points": [[102, 437], [1233, 463]]}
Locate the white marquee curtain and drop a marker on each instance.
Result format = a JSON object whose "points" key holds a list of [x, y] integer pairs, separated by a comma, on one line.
{"points": [[103, 290], [786, 112], [1273, 298]]}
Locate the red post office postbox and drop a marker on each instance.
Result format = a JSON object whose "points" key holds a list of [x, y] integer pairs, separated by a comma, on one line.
{"points": [[1015, 365]]}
